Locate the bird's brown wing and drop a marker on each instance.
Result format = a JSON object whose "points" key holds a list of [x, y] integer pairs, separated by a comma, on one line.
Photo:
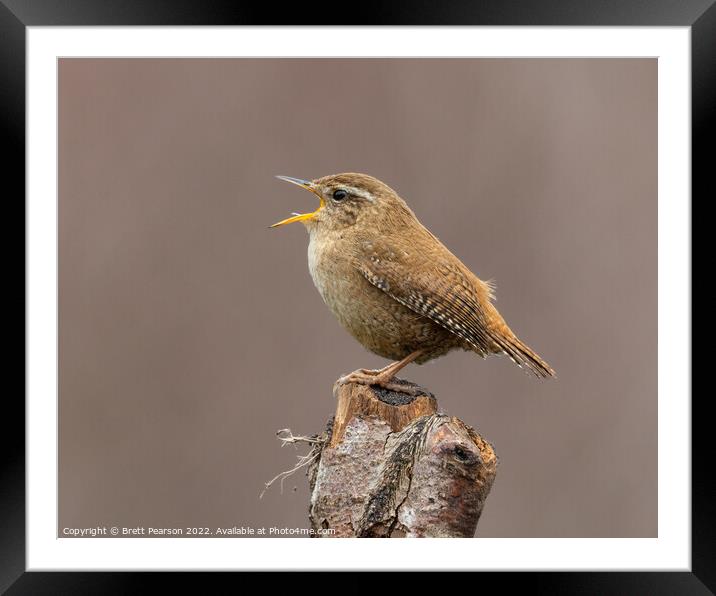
{"points": [[437, 285]]}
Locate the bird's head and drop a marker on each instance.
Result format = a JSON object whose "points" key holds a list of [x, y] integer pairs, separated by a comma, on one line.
{"points": [[346, 200]]}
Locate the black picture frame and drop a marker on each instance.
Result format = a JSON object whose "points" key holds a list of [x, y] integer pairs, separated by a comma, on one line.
{"points": [[16, 15]]}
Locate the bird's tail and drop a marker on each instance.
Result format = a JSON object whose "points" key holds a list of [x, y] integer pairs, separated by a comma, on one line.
{"points": [[523, 356]]}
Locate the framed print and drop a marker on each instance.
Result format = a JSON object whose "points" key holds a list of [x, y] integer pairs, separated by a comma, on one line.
{"points": [[489, 190]]}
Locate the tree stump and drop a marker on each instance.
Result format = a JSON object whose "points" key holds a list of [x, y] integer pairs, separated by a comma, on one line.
{"points": [[390, 465]]}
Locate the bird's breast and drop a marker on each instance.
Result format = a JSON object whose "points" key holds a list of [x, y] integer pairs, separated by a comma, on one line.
{"points": [[340, 284]]}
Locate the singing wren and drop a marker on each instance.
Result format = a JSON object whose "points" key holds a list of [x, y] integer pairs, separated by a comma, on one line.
{"points": [[393, 285]]}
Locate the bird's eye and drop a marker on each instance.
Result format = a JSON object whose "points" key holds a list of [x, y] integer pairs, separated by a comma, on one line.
{"points": [[339, 195]]}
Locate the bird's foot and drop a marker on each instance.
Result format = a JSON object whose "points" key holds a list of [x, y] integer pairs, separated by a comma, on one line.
{"points": [[380, 378]]}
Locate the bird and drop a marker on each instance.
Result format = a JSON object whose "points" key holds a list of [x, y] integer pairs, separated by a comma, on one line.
{"points": [[394, 286]]}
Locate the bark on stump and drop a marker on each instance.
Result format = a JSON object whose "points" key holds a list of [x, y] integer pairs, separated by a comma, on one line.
{"points": [[390, 465]]}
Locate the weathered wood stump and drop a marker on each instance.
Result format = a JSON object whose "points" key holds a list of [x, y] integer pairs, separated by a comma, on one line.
{"points": [[390, 465]]}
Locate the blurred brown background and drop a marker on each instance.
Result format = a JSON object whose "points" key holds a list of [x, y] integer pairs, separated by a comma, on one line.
{"points": [[190, 333]]}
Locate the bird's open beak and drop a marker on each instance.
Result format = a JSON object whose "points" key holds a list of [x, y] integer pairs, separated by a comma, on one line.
{"points": [[308, 185]]}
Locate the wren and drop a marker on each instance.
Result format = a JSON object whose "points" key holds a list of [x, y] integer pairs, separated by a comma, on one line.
{"points": [[394, 286]]}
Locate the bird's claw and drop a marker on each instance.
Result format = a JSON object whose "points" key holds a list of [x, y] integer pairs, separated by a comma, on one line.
{"points": [[378, 378]]}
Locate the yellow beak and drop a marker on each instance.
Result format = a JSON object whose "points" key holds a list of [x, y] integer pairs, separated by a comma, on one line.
{"points": [[308, 185]]}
